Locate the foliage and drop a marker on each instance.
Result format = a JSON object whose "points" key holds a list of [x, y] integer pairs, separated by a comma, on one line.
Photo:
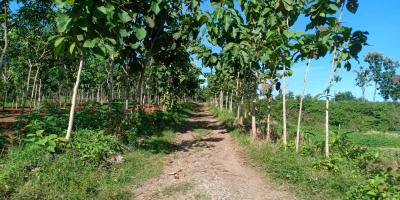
{"points": [[38, 140], [93, 146], [31, 173], [345, 96], [381, 185]]}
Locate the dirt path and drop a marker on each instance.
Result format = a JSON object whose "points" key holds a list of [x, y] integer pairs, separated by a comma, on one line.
{"points": [[207, 164]]}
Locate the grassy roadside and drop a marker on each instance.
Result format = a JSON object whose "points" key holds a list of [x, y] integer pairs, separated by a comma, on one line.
{"points": [[29, 172], [311, 176]]}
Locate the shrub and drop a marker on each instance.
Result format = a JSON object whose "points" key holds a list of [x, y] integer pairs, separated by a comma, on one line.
{"points": [[93, 146], [384, 185], [38, 140]]}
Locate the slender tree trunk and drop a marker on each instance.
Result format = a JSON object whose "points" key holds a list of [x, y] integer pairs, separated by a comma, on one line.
{"points": [[27, 86], [5, 34], [284, 106], [73, 100], [226, 101], [34, 86], [231, 103], [301, 106], [253, 121], [269, 117], [327, 103], [375, 92], [221, 99], [363, 93], [40, 92], [111, 83]]}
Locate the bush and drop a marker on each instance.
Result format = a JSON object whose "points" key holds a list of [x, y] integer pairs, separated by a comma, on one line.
{"points": [[383, 185], [93, 146]]}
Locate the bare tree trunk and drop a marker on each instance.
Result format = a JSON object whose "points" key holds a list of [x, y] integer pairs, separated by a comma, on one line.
{"points": [[221, 99], [111, 83], [73, 100], [226, 101], [327, 103], [374, 99], [34, 85], [269, 117], [237, 96], [27, 86], [231, 102], [40, 92], [301, 106], [5, 34], [284, 106], [253, 121]]}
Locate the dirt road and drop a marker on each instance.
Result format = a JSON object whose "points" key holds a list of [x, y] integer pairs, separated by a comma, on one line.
{"points": [[207, 164]]}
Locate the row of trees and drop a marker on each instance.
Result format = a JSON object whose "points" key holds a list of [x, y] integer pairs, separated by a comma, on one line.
{"points": [[135, 52], [259, 46], [381, 72]]}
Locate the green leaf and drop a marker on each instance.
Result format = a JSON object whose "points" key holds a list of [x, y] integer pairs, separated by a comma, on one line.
{"points": [[150, 22], [124, 16], [134, 46], [63, 22], [90, 43], [176, 35], [140, 33], [79, 37], [155, 7], [72, 48], [59, 41], [71, 2]]}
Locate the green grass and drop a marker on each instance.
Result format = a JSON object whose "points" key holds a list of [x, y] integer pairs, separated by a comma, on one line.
{"points": [[297, 171], [27, 173], [375, 139], [305, 173]]}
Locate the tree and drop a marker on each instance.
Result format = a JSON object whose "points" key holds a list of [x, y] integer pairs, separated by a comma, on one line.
{"points": [[345, 96], [362, 79], [375, 62]]}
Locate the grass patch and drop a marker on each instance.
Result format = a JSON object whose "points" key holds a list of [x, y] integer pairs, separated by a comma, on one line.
{"points": [[287, 167], [174, 189], [376, 140], [27, 173]]}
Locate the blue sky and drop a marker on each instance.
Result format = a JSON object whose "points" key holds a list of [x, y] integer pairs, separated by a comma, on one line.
{"points": [[381, 19]]}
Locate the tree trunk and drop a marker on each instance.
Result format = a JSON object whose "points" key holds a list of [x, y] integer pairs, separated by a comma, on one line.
{"points": [[73, 100], [111, 83], [253, 121], [27, 86], [375, 92], [284, 106], [269, 117], [34, 86], [231, 102], [327, 103], [301, 106], [5, 34], [221, 99]]}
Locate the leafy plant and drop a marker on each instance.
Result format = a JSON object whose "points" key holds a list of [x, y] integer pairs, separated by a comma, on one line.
{"points": [[384, 185], [93, 146], [48, 142]]}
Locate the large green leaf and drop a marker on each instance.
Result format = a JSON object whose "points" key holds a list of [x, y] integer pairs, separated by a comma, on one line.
{"points": [[124, 16], [155, 7], [140, 33], [63, 22]]}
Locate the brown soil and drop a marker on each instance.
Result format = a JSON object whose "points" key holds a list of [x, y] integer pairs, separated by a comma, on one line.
{"points": [[207, 164]]}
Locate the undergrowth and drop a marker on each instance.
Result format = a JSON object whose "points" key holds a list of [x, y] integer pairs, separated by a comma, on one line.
{"points": [[105, 159], [351, 172]]}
